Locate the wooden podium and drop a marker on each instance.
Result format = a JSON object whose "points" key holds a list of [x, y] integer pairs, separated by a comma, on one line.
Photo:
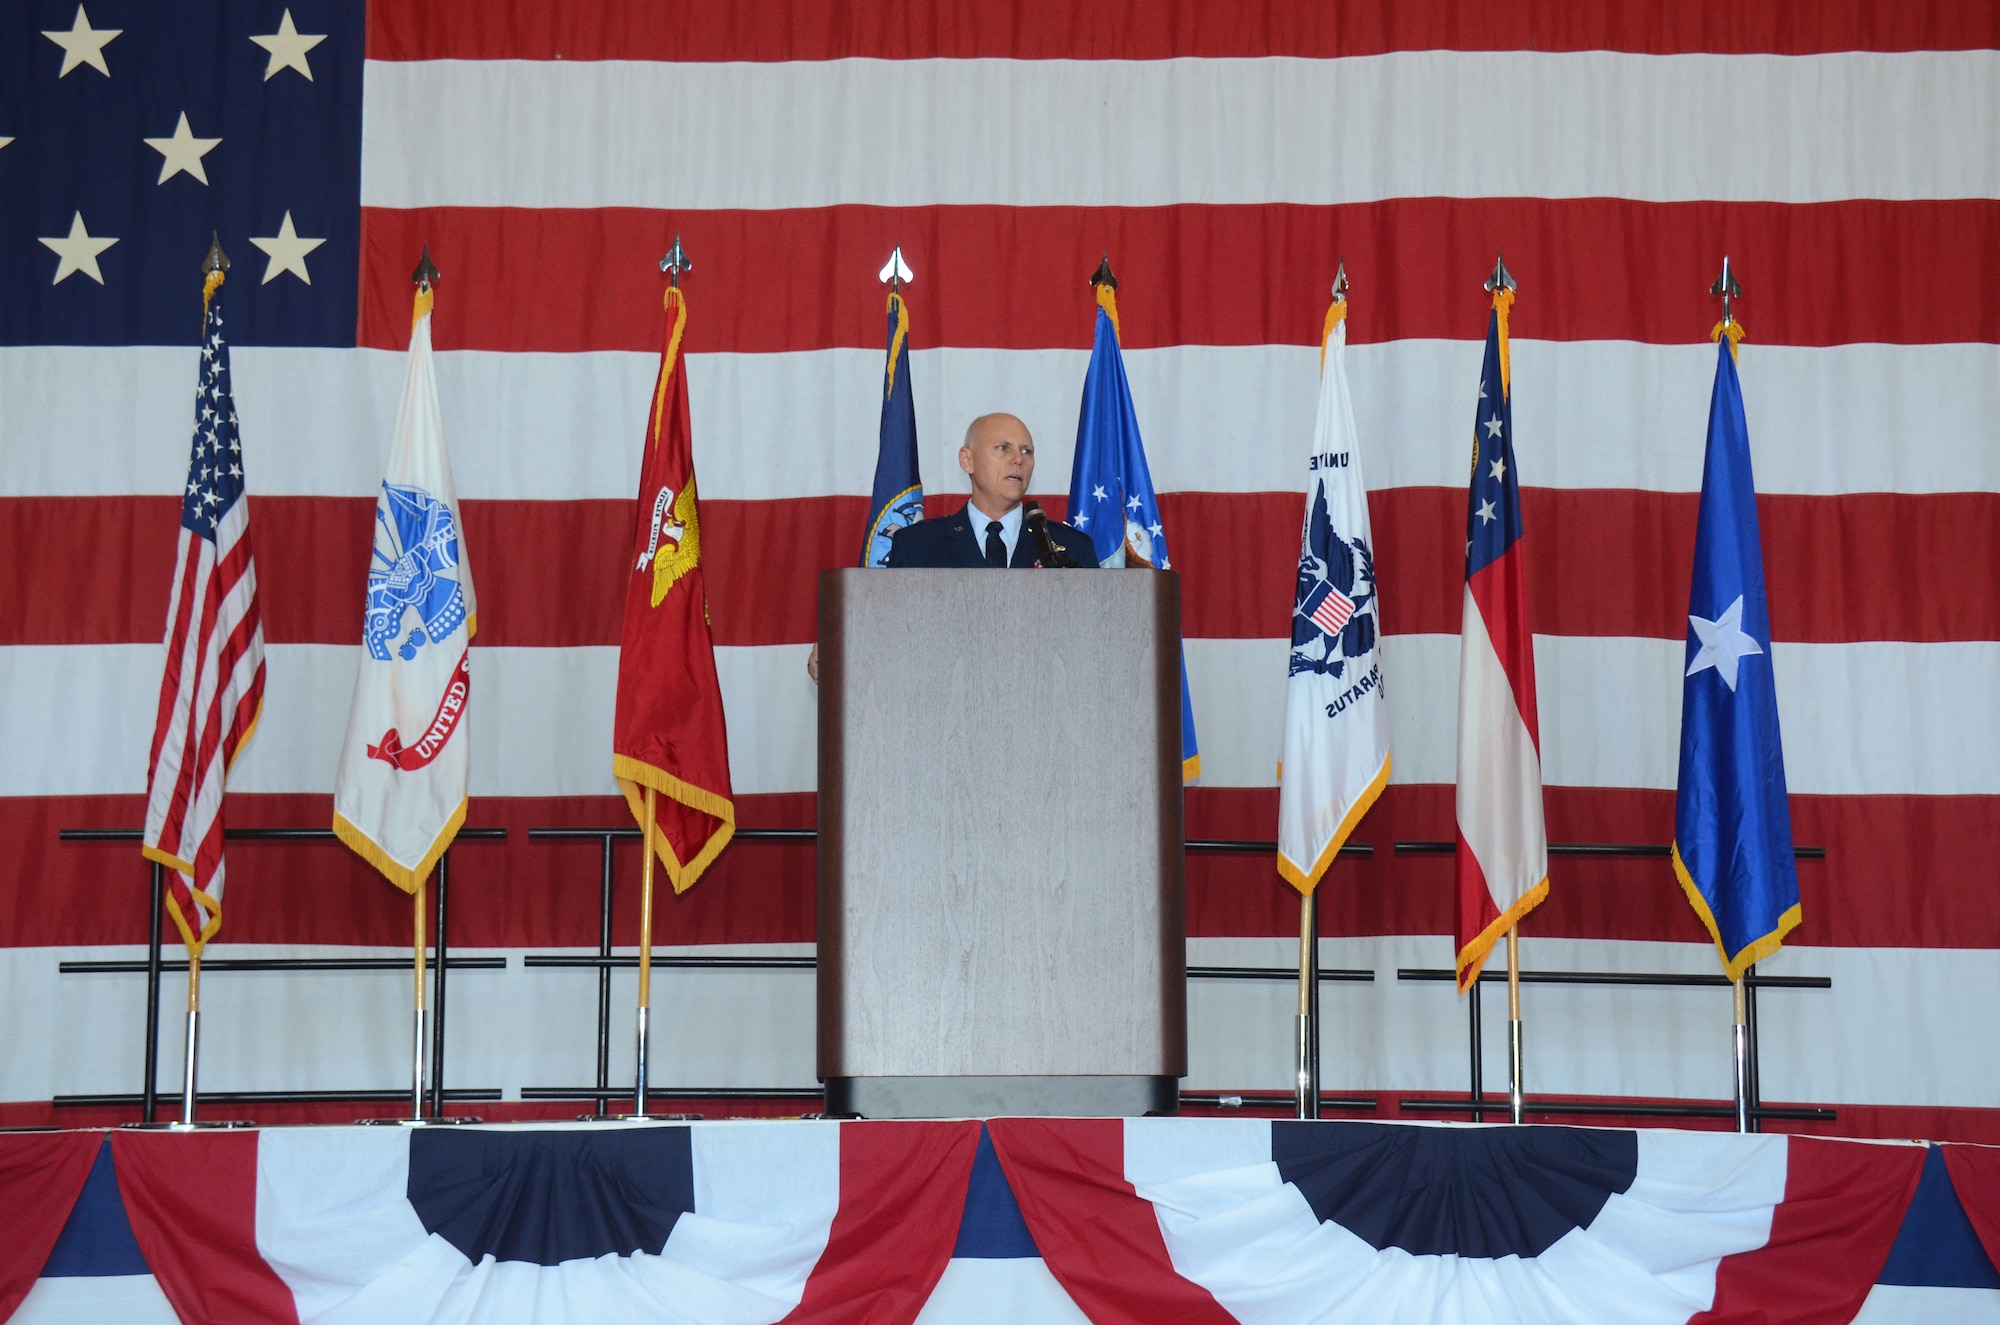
{"points": [[1001, 907]]}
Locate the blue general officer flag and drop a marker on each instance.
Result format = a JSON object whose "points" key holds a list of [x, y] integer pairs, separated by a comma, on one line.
{"points": [[1732, 822], [898, 498], [1110, 487]]}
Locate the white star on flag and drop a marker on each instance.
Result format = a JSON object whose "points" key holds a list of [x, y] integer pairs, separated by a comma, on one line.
{"points": [[288, 47], [286, 250], [182, 152], [78, 251], [1722, 643], [1493, 427], [83, 44], [1499, 471], [1487, 515], [4, 140], [1098, 493]]}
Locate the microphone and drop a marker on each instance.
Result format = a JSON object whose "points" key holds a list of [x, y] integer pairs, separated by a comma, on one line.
{"points": [[1038, 525]]}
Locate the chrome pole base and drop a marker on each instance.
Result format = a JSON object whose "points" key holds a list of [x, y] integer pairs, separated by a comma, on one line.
{"points": [[1515, 1091], [1742, 1077], [1306, 1106], [188, 1067], [639, 1093]]}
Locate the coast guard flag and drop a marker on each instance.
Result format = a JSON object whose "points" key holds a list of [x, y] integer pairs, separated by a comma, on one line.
{"points": [[212, 690], [399, 796], [899, 488], [1503, 848], [1336, 726], [1111, 488], [1732, 821], [668, 732]]}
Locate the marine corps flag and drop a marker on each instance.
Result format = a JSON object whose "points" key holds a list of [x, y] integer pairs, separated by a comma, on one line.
{"points": [[669, 733], [399, 796], [1336, 725]]}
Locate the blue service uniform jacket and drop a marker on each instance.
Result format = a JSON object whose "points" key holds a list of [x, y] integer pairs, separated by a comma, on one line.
{"points": [[950, 542]]}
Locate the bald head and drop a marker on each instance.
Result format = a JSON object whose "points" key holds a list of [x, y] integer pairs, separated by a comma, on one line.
{"points": [[999, 455]]}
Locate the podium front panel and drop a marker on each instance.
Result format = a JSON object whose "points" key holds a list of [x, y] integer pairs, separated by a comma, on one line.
{"points": [[1000, 835]]}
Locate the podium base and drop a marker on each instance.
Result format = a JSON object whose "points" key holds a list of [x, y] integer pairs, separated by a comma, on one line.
{"points": [[1002, 1097]]}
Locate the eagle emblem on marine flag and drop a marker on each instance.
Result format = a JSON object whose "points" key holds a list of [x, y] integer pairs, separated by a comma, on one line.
{"points": [[1334, 619], [673, 545]]}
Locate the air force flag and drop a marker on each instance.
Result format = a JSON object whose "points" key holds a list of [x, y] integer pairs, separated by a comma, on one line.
{"points": [[1732, 822], [399, 796], [1336, 758]]}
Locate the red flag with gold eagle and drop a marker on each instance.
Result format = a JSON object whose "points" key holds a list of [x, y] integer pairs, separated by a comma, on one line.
{"points": [[669, 733]]}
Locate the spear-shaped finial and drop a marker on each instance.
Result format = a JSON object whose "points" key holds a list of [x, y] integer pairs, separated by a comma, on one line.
{"points": [[1340, 281], [1103, 276], [426, 275], [896, 271], [676, 262], [1501, 279], [216, 259], [1727, 290]]}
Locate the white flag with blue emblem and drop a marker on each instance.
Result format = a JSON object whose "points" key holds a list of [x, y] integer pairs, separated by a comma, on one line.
{"points": [[1336, 758], [399, 796]]}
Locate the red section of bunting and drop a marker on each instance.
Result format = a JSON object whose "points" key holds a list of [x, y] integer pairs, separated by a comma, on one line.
{"points": [[1975, 1176], [1009, 277], [1098, 1236], [193, 1203], [551, 573], [40, 1179], [772, 30], [902, 1188], [1829, 1237], [522, 894]]}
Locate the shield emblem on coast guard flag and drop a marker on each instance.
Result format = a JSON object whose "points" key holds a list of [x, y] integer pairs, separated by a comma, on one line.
{"points": [[399, 796]]}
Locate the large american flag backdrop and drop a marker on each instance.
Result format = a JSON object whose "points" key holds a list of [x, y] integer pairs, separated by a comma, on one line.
{"points": [[1845, 156]]}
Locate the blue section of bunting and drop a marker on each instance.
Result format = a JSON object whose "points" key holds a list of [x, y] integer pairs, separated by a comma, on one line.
{"points": [[547, 1197], [1732, 822], [288, 145], [1493, 515], [992, 1227], [1111, 495], [1937, 1247], [1478, 1192], [96, 1239], [898, 495]]}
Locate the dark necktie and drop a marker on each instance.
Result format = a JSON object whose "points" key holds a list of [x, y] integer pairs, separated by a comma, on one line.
{"points": [[996, 550]]}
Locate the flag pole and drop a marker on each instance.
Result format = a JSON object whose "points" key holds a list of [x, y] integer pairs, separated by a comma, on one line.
{"points": [[417, 1025], [645, 954], [1515, 1089], [1742, 1056], [193, 1035], [1307, 1092]]}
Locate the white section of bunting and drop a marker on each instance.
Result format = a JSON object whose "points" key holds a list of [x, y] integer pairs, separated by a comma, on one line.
{"points": [[87, 421], [1673, 128], [1879, 1036], [1858, 719], [999, 1291], [129, 1299], [1899, 1304]]}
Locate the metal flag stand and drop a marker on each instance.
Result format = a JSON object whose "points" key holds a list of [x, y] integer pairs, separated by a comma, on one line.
{"points": [[1502, 279]]}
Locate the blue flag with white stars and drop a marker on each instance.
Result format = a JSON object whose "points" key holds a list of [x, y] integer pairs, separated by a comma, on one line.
{"points": [[1732, 821], [130, 132], [1111, 488]]}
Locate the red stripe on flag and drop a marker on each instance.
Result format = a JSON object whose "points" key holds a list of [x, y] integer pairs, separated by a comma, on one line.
{"points": [[40, 1179], [193, 1203], [1097, 1235], [772, 30], [1006, 277], [551, 573]]}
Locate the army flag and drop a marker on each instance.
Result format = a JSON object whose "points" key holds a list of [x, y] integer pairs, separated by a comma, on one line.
{"points": [[668, 732], [1111, 494], [1503, 846], [399, 794], [1336, 758], [898, 497], [1732, 820], [212, 689]]}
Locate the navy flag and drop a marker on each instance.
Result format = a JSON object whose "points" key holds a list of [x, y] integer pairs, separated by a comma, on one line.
{"points": [[1732, 821], [898, 498]]}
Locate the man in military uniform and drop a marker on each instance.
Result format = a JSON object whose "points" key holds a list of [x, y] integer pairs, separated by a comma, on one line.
{"points": [[999, 457]]}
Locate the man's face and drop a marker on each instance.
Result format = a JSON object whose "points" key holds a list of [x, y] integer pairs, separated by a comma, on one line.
{"points": [[1000, 457]]}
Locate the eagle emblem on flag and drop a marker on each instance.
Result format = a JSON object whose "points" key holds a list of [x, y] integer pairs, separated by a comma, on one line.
{"points": [[416, 551], [1333, 617], [673, 547]]}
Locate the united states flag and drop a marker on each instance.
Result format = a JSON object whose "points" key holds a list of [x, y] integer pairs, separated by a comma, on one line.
{"points": [[213, 688], [1227, 153]]}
